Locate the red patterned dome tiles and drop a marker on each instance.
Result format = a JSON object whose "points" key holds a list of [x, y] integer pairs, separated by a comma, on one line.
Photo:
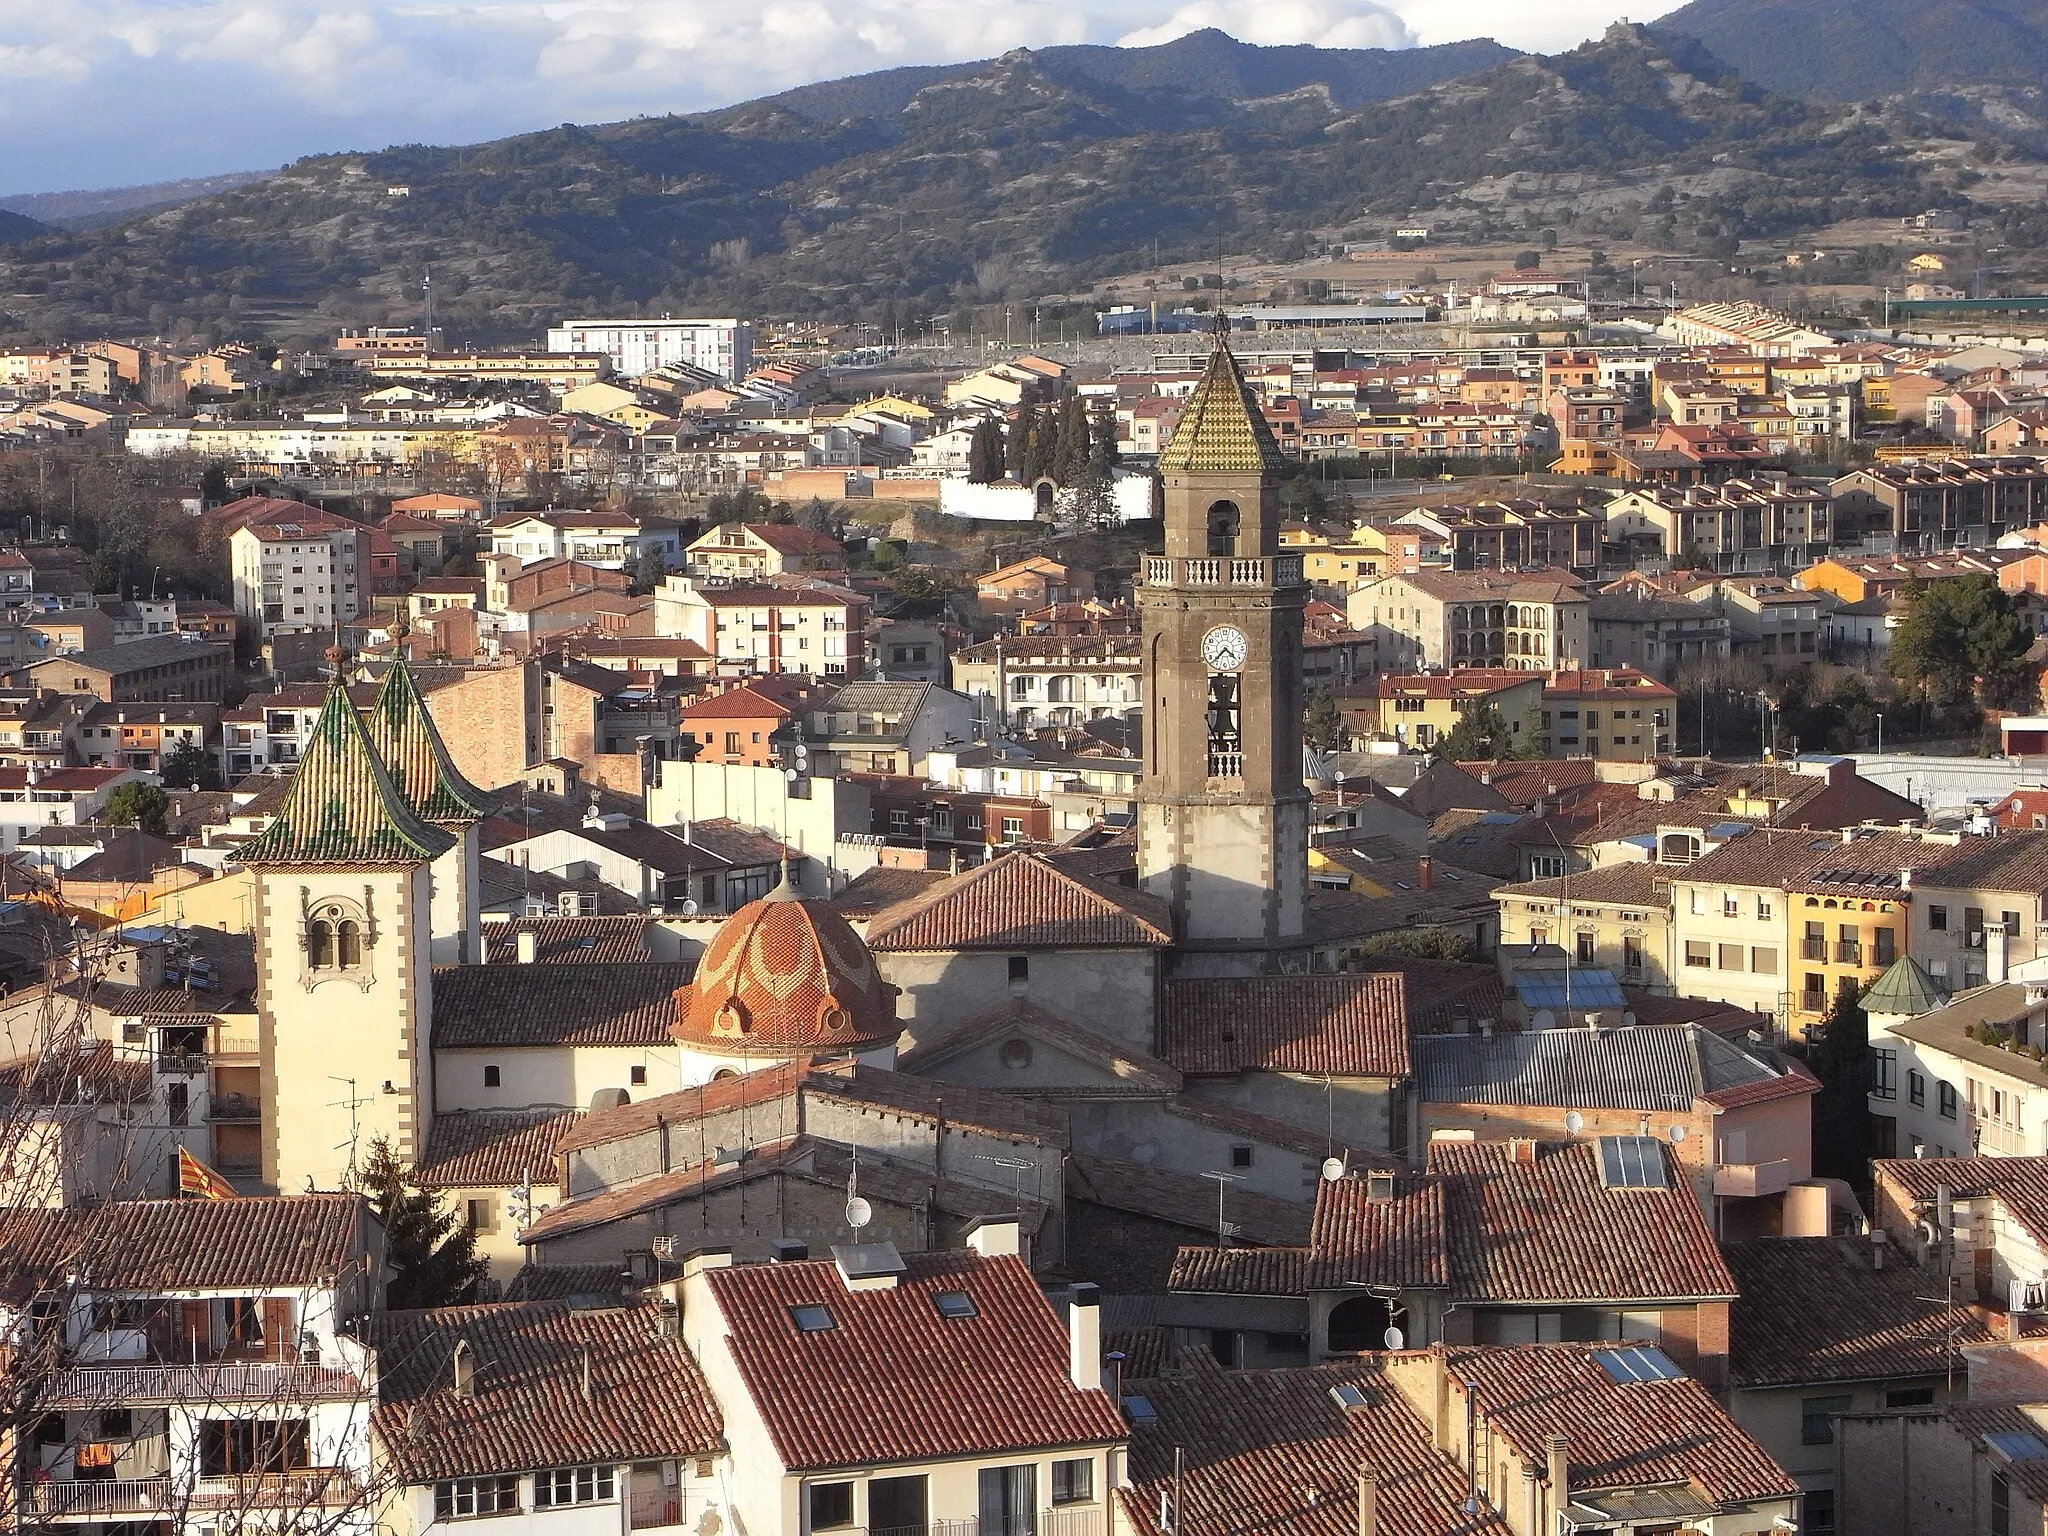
{"points": [[785, 976]]}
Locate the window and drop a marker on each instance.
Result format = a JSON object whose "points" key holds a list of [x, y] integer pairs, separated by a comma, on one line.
{"points": [[1009, 1500], [1937, 919], [1763, 959], [2001, 1505], [1020, 968], [1073, 1482], [1884, 1082], [1910, 1397], [573, 1485], [462, 1497], [831, 1506], [1240, 1157], [1916, 1089], [1582, 947], [1731, 957], [898, 1506], [1731, 904], [637, 1076], [1883, 947], [812, 1319], [1817, 1517], [491, 1077], [1763, 909], [1698, 952], [481, 1214], [1546, 866], [1631, 953], [1816, 1425], [1013, 829], [1945, 1100], [954, 1304]]}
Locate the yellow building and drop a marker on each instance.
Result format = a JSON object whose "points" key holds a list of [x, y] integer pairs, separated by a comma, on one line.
{"points": [[1420, 709]]}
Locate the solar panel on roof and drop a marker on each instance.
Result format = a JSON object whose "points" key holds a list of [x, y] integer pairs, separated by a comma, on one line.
{"points": [[1632, 1162], [1637, 1363], [1590, 988], [2017, 1445]]}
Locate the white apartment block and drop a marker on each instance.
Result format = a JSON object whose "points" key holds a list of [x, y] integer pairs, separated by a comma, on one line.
{"points": [[298, 576], [723, 347]]}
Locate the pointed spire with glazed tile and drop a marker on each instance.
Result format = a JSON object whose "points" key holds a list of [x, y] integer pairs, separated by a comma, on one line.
{"points": [[1222, 430], [404, 734], [342, 806]]}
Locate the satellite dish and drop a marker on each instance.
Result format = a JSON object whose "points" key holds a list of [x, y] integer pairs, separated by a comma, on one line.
{"points": [[1333, 1168], [791, 775], [1574, 1121], [1393, 1338], [689, 909], [859, 1213], [1677, 1134]]}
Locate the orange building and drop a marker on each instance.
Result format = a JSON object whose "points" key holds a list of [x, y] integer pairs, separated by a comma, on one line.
{"points": [[736, 726]]}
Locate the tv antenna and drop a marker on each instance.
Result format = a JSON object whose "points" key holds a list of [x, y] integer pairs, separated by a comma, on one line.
{"points": [[858, 1212], [352, 1104], [1225, 1230]]}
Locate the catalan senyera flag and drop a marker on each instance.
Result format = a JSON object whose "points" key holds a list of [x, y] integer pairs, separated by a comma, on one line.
{"points": [[195, 1178]]}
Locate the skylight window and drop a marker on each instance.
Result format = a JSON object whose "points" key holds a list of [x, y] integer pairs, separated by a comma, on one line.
{"points": [[1349, 1396], [812, 1319], [951, 1304], [1139, 1410], [1632, 1162], [1637, 1363]]}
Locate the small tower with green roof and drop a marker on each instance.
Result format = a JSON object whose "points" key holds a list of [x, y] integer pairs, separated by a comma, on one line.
{"points": [[343, 898], [405, 738]]}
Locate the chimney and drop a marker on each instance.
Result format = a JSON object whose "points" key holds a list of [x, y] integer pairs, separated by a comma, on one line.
{"points": [[528, 943], [1848, 835], [791, 1250], [465, 1369], [1877, 1242], [1084, 1336], [1559, 1449], [995, 1237], [1423, 877], [1905, 877], [1368, 1504], [1996, 945], [1522, 1149]]}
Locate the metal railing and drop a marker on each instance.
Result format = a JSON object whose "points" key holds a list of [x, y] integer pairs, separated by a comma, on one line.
{"points": [[650, 1509], [93, 1386], [1814, 949], [1849, 952], [160, 1496]]}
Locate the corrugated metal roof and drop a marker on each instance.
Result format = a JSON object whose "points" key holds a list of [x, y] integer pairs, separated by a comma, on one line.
{"points": [[1646, 1067]]}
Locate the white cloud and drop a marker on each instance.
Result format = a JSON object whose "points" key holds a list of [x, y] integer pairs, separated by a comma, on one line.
{"points": [[151, 89]]}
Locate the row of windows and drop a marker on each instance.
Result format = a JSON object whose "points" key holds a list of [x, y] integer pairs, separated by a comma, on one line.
{"points": [[464, 1498], [1761, 959]]}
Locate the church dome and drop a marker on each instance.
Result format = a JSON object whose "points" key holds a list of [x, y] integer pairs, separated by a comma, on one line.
{"points": [[785, 976]]}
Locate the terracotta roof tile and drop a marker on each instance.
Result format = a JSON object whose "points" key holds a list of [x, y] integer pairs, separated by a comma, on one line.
{"points": [[1020, 900], [529, 1408], [893, 1381], [513, 1005], [157, 1245], [493, 1148], [1399, 1239], [1622, 1434], [1272, 1452], [714, 1097], [570, 940], [1188, 1200], [1816, 1309], [2019, 1184], [1547, 1230], [1349, 1026]]}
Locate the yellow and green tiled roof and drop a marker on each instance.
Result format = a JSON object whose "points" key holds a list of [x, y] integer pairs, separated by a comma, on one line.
{"points": [[342, 807], [1222, 431], [415, 756]]}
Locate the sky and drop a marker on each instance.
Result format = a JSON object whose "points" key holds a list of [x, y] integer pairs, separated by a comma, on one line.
{"points": [[102, 93]]}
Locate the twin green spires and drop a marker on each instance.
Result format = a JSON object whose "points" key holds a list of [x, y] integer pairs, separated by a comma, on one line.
{"points": [[1222, 431], [405, 738], [346, 806]]}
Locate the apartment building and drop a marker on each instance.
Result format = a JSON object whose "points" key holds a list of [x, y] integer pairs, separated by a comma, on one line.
{"points": [[1023, 682], [297, 569], [168, 669], [814, 628], [1762, 525], [1419, 710], [1615, 712], [1656, 635], [1531, 622], [613, 541], [1930, 505], [1511, 535], [751, 551], [632, 347]]}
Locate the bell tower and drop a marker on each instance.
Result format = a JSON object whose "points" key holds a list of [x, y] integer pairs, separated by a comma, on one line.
{"points": [[1222, 813]]}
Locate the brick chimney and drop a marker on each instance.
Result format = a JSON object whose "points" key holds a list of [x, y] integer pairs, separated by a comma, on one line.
{"points": [[1423, 875]]}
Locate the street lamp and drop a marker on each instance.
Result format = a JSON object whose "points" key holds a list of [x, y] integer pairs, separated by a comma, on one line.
{"points": [[1880, 735]]}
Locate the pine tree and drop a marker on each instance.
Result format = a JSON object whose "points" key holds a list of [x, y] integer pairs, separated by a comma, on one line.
{"points": [[1070, 442], [1102, 449], [1038, 452], [985, 452], [1839, 1054], [431, 1252]]}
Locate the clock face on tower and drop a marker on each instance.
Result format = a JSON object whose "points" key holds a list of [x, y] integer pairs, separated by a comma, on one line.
{"points": [[1223, 648]]}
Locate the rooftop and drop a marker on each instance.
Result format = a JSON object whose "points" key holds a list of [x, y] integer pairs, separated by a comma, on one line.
{"points": [[1347, 1026]]}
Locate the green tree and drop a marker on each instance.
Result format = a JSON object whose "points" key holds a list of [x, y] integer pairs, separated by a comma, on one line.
{"points": [[431, 1252], [1961, 634], [190, 765], [1017, 445], [1322, 722], [652, 568], [139, 805], [1481, 735], [1070, 442], [1838, 1051], [817, 517], [985, 452], [1419, 944], [1103, 455]]}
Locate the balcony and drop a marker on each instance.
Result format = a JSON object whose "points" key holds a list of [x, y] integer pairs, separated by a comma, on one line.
{"points": [[1814, 949], [157, 1497], [1226, 765], [1751, 1181], [1222, 571], [1849, 952], [85, 1387]]}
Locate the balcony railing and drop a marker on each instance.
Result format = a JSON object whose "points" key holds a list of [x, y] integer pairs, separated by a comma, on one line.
{"points": [[1226, 765], [159, 1496], [95, 1386], [1222, 571], [1849, 953], [1814, 949], [1749, 1181]]}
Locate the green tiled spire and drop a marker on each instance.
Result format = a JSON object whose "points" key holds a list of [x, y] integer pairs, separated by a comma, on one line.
{"points": [[1222, 431], [405, 738], [1905, 989], [342, 807]]}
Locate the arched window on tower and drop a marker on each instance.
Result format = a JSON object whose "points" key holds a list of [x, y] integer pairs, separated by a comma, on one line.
{"points": [[349, 943], [1223, 520], [320, 945], [338, 936]]}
